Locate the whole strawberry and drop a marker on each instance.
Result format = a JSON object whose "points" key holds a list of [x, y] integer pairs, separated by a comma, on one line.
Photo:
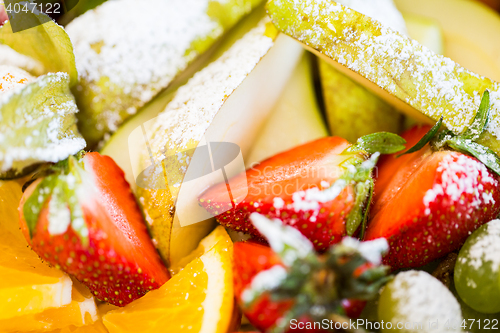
{"points": [[322, 188], [429, 200], [289, 287], [83, 218]]}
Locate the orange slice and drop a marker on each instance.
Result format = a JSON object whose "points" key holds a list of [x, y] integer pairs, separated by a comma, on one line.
{"points": [[206, 244], [97, 327], [198, 299], [81, 311], [27, 285]]}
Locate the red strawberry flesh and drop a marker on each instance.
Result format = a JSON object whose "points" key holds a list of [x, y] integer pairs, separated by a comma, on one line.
{"points": [[277, 188], [427, 203], [119, 263]]}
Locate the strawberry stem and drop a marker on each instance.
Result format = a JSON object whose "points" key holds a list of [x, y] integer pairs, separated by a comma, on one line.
{"points": [[425, 139], [316, 284]]}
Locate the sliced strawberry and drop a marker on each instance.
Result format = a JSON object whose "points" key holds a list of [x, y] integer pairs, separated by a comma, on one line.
{"points": [[85, 220], [292, 186], [426, 203]]}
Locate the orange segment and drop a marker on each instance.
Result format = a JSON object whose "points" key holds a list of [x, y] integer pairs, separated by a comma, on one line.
{"points": [[206, 244], [81, 311], [97, 327], [27, 285], [198, 299]]}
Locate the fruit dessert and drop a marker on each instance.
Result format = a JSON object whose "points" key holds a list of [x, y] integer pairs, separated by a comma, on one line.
{"points": [[122, 66], [83, 218], [322, 188], [250, 166]]}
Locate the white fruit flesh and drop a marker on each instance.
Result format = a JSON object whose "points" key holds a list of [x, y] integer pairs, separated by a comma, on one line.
{"points": [[294, 120], [227, 101]]}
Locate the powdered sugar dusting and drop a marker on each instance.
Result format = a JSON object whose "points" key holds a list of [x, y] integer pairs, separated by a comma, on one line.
{"points": [[12, 78], [485, 249], [278, 203], [47, 132], [461, 175], [190, 113], [381, 10], [311, 198], [431, 83], [424, 299], [264, 281], [119, 52], [287, 241]]}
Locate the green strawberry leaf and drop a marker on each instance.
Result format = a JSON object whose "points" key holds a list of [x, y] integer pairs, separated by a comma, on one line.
{"points": [[37, 125], [480, 119], [61, 193], [425, 139], [315, 283], [382, 142], [482, 153], [47, 42], [367, 210]]}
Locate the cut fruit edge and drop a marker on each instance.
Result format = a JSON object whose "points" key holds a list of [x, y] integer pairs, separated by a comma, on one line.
{"points": [[215, 254], [405, 73]]}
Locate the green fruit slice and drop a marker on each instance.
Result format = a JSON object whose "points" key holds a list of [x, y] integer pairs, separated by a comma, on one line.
{"points": [[477, 271], [123, 65], [399, 69], [415, 302], [37, 124], [46, 43], [426, 31], [117, 146], [351, 109]]}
